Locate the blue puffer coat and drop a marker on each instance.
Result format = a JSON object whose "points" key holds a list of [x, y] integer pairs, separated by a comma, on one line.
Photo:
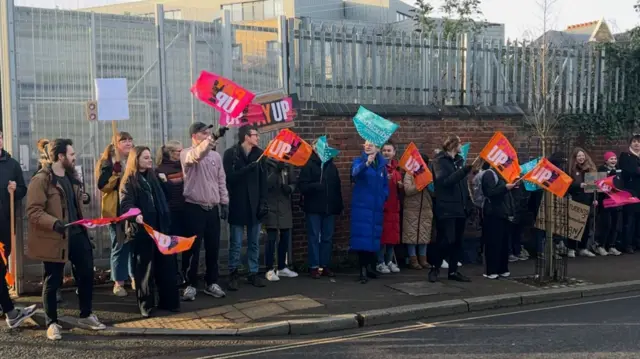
{"points": [[370, 191]]}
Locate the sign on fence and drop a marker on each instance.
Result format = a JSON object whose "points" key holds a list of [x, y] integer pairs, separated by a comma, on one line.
{"points": [[569, 218]]}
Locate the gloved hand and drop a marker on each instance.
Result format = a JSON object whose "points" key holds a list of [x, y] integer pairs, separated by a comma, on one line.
{"points": [[117, 167], [59, 227], [224, 211], [263, 210]]}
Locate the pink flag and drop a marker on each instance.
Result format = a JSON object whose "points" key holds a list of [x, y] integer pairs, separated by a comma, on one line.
{"points": [[262, 114], [222, 94], [617, 197], [101, 222]]}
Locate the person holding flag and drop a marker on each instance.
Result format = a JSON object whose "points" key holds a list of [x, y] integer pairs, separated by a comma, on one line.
{"points": [[54, 199], [247, 186], [370, 191], [321, 189], [629, 163], [451, 208], [12, 187], [609, 219], [579, 164], [391, 223], [108, 173], [141, 188]]}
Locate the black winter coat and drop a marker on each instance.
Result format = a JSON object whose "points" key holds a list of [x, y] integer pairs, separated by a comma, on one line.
{"points": [[630, 166], [320, 195], [577, 193], [146, 193], [500, 201], [280, 186], [9, 171], [451, 187], [247, 185], [617, 182]]}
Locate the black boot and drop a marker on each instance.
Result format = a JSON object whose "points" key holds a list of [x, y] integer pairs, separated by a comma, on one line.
{"points": [[233, 281], [371, 272], [363, 275], [433, 274]]}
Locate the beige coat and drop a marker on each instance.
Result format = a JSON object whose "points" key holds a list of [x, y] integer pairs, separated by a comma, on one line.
{"points": [[418, 213]]}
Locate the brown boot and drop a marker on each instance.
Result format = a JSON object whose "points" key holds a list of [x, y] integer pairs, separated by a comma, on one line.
{"points": [[423, 261], [413, 263]]}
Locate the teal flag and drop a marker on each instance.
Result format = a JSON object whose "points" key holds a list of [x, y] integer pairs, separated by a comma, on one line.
{"points": [[464, 151], [372, 127], [324, 151], [526, 168]]}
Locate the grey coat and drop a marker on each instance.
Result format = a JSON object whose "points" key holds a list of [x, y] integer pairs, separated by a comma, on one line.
{"points": [[280, 186]]}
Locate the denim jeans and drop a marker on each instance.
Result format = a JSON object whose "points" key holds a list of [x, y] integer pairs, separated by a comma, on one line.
{"points": [[121, 258], [320, 236], [385, 255], [253, 247], [411, 250], [282, 246]]}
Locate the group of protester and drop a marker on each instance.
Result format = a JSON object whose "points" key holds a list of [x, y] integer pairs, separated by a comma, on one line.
{"points": [[189, 191]]}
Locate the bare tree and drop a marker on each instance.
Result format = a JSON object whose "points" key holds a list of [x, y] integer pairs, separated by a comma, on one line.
{"points": [[458, 16]]}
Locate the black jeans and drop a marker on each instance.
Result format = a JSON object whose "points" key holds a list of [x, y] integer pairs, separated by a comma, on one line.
{"points": [[448, 243], [496, 233], [282, 247], [154, 270], [631, 228], [81, 258], [367, 259], [206, 225], [609, 224], [6, 304]]}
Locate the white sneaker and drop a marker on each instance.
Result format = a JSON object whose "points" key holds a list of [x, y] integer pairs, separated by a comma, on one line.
{"points": [[614, 252], [571, 253], [459, 264], [215, 291], [523, 256], [119, 290], [92, 323], [524, 251], [23, 314], [513, 258], [601, 251], [444, 265], [490, 276], [189, 294], [286, 273], [586, 253], [505, 274], [393, 267], [382, 268], [272, 276], [53, 332]]}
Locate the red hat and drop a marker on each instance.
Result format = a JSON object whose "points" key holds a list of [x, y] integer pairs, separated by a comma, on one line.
{"points": [[609, 155]]}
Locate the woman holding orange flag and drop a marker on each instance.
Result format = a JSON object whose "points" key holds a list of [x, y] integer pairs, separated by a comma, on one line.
{"points": [[579, 165], [140, 188]]}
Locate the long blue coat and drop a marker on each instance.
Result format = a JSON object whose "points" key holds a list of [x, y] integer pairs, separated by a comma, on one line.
{"points": [[370, 191]]}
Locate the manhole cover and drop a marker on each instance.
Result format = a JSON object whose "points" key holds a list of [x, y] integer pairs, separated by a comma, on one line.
{"points": [[423, 288]]}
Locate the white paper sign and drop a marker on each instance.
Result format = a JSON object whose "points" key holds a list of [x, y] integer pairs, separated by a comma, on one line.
{"points": [[113, 99]]}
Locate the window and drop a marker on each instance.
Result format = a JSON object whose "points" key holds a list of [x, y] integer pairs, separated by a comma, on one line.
{"points": [[269, 10], [278, 7], [173, 14], [401, 17], [255, 10], [273, 52], [247, 11], [258, 10]]}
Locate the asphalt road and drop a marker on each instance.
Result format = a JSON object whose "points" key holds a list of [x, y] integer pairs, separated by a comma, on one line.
{"points": [[605, 327]]}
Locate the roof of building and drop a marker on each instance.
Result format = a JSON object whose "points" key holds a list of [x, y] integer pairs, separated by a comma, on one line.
{"points": [[593, 31]]}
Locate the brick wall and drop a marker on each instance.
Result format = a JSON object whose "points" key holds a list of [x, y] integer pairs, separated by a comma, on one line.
{"points": [[426, 127]]}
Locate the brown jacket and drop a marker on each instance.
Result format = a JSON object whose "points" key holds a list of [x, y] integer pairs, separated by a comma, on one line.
{"points": [[46, 204], [418, 213]]}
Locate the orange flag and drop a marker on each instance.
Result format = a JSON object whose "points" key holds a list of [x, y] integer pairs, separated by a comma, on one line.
{"points": [[168, 245], [412, 162], [549, 177], [502, 157], [8, 277], [290, 148]]}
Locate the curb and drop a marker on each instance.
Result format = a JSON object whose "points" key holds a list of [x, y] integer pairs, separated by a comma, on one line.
{"points": [[382, 316]]}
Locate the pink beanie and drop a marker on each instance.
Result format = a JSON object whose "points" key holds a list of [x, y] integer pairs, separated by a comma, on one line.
{"points": [[609, 155]]}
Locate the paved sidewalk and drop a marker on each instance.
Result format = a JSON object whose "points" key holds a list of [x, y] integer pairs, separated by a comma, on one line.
{"points": [[306, 299]]}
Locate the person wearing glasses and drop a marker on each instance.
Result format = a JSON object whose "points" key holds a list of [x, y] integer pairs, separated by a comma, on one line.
{"points": [[206, 203], [247, 185]]}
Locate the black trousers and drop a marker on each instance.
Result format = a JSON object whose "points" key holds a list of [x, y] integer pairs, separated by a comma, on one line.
{"points": [[631, 228], [609, 225], [154, 270], [367, 258], [497, 234], [206, 225], [81, 258], [6, 304], [273, 245], [448, 244]]}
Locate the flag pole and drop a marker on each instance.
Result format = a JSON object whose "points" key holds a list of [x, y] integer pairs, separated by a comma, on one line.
{"points": [[13, 258]]}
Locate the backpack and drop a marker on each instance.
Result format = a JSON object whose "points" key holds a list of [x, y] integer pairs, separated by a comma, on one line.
{"points": [[478, 197]]}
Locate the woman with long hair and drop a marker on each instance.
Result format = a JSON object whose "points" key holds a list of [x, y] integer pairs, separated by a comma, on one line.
{"points": [[417, 222], [140, 188], [170, 172], [579, 164], [108, 173]]}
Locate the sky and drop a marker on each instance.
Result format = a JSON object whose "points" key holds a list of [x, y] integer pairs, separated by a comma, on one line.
{"points": [[519, 16]]}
